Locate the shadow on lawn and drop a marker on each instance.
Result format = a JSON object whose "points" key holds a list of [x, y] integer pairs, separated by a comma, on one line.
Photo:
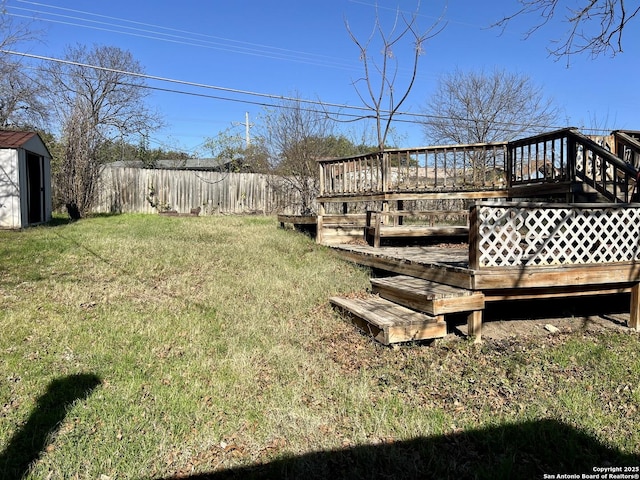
{"points": [[28, 443], [525, 450]]}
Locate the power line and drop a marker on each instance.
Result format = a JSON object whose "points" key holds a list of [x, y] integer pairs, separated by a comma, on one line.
{"points": [[367, 112], [168, 34], [181, 82]]}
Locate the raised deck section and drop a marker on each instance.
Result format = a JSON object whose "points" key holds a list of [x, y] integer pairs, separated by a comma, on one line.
{"points": [[563, 165], [521, 251], [515, 250], [434, 269]]}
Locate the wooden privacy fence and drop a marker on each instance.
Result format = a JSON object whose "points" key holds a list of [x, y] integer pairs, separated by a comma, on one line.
{"points": [[137, 190], [533, 234]]}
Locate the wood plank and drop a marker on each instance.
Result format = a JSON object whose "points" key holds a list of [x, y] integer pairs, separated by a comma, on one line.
{"points": [[348, 219], [388, 322], [559, 291], [493, 278], [413, 195], [427, 296], [437, 273], [424, 231], [418, 213], [298, 219]]}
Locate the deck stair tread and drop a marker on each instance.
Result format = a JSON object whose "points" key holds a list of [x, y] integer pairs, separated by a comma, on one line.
{"points": [[427, 296], [389, 322]]}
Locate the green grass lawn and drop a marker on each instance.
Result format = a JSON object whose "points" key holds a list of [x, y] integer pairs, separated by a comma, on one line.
{"points": [[140, 346]]}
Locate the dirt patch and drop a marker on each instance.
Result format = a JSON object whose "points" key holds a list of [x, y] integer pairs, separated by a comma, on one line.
{"points": [[544, 318], [542, 328]]}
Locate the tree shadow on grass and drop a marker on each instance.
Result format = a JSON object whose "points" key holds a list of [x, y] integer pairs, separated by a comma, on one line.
{"points": [[28, 443], [525, 450]]}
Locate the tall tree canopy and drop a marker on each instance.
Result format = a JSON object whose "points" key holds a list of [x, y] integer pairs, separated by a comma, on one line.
{"points": [[293, 138]]}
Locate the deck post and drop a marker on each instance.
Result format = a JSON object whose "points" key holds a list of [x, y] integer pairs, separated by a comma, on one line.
{"points": [[319, 222], [321, 184], [474, 325], [474, 238], [634, 315]]}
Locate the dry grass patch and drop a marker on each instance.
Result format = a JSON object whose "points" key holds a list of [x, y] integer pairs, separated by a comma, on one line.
{"points": [[185, 345]]}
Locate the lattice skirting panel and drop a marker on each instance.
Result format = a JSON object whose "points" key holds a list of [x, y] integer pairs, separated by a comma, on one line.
{"points": [[533, 234]]}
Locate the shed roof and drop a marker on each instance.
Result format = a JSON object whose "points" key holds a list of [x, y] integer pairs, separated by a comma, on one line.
{"points": [[30, 141], [12, 139]]}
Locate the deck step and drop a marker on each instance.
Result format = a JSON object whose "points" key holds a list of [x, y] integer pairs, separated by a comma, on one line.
{"points": [[426, 296], [389, 322]]}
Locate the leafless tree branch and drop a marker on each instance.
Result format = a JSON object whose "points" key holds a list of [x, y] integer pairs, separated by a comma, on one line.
{"points": [[595, 27]]}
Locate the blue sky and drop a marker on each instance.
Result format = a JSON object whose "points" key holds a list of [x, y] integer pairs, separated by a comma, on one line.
{"points": [[302, 48]]}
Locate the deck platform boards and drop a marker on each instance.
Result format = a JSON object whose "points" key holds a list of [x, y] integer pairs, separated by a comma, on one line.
{"points": [[443, 265], [450, 266], [389, 322]]}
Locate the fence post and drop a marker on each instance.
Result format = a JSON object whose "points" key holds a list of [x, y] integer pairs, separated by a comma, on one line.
{"points": [[571, 157], [385, 171]]}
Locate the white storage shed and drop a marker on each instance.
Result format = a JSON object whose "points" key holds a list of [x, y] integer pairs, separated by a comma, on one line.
{"points": [[25, 180]]}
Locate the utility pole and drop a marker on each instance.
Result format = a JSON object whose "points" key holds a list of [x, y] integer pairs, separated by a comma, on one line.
{"points": [[247, 126]]}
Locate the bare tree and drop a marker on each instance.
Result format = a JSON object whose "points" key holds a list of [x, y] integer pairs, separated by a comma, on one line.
{"points": [[294, 137], [594, 26], [380, 91], [476, 107], [479, 107], [21, 98], [98, 101]]}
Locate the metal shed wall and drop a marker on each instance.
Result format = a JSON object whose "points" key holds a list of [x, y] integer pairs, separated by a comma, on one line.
{"points": [[10, 216], [14, 183]]}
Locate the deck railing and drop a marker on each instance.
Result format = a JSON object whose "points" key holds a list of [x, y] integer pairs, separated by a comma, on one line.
{"points": [[567, 155], [516, 234], [440, 168], [564, 155], [627, 146]]}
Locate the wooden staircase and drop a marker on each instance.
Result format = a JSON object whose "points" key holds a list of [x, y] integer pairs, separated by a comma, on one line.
{"points": [[404, 309]]}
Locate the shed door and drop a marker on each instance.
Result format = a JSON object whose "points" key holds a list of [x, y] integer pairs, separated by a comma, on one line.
{"points": [[35, 188]]}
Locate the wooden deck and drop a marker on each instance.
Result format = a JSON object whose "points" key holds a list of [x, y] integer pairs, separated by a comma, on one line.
{"points": [[449, 267], [579, 238]]}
